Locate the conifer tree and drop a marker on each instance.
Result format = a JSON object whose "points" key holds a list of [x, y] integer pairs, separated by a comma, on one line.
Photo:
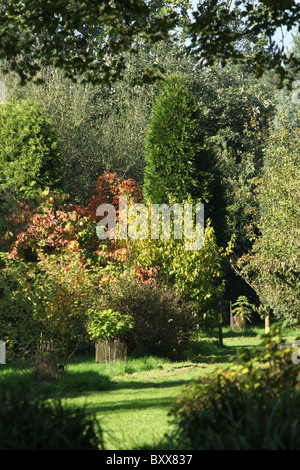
{"points": [[180, 163], [29, 158]]}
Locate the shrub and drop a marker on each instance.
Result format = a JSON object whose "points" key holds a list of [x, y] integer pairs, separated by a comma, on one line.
{"points": [[44, 306], [196, 275], [241, 421], [50, 226], [31, 422], [29, 160], [108, 188], [107, 325], [162, 320], [253, 405]]}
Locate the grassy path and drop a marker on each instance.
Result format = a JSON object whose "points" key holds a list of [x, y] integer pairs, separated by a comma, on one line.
{"points": [[132, 399], [134, 411]]}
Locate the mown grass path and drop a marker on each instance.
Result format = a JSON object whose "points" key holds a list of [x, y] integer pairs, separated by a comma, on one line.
{"points": [[132, 399], [133, 412]]}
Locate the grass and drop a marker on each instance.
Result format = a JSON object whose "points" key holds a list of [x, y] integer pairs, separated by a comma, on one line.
{"points": [[133, 410], [132, 399]]}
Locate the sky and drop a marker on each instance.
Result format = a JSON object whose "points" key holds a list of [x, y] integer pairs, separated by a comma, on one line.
{"points": [[288, 38]]}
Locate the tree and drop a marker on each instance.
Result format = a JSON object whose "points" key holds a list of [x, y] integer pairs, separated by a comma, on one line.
{"points": [[86, 38], [179, 165], [90, 38], [29, 160], [220, 28], [272, 266]]}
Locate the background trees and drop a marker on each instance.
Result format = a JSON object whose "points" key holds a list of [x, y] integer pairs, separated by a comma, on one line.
{"points": [[220, 29], [272, 266], [79, 38], [197, 134]]}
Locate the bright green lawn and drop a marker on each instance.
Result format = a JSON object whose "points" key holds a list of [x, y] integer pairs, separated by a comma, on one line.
{"points": [[134, 411], [132, 399]]}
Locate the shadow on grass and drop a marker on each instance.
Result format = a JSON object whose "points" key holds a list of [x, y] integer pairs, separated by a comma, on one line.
{"points": [[137, 385], [135, 404], [210, 350], [77, 383]]}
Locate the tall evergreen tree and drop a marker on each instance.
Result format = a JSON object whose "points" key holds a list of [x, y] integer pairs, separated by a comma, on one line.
{"points": [[179, 163]]}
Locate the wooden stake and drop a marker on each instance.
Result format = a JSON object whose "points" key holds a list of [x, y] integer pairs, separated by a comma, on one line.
{"points": [[220, 323], [267, 324]]}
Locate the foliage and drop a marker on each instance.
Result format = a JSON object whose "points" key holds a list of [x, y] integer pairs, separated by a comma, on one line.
{"points": [[170, 150], [32, 422], [15, 211], [98, 128], [237, 108], [49, 226], [19, 330], [55, 224], [242, 308], [75, 110], [44, 306], [91, 39], [162, 320], [251, 405], [195, 274], [108, 189], [272, 266], [179, 162], [51, 272], [63, 289], [80, 38], [220, 28], [29, 161], [239, 421], [108, 325]]}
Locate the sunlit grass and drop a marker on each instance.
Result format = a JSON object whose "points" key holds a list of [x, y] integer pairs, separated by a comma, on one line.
{"points": [[134, 411], [132, 399]]}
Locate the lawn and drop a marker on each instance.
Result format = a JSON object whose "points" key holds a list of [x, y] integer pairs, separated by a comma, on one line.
{"points": [[132, 399], [133, 410]]}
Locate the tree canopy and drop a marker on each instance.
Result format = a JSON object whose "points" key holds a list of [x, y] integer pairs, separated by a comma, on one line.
{"points": [[220, 27], [79, 37], [91, 38]]}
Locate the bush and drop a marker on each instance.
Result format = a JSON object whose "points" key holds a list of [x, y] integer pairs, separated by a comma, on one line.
{"points": [[196, 275], [162, 320], [29, 422], [29, 160], [44, 305], [253, 405], [242, 421]]}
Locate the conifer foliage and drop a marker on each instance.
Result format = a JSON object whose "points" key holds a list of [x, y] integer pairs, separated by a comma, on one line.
{"points": [[29, 158], [180, 163]]}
